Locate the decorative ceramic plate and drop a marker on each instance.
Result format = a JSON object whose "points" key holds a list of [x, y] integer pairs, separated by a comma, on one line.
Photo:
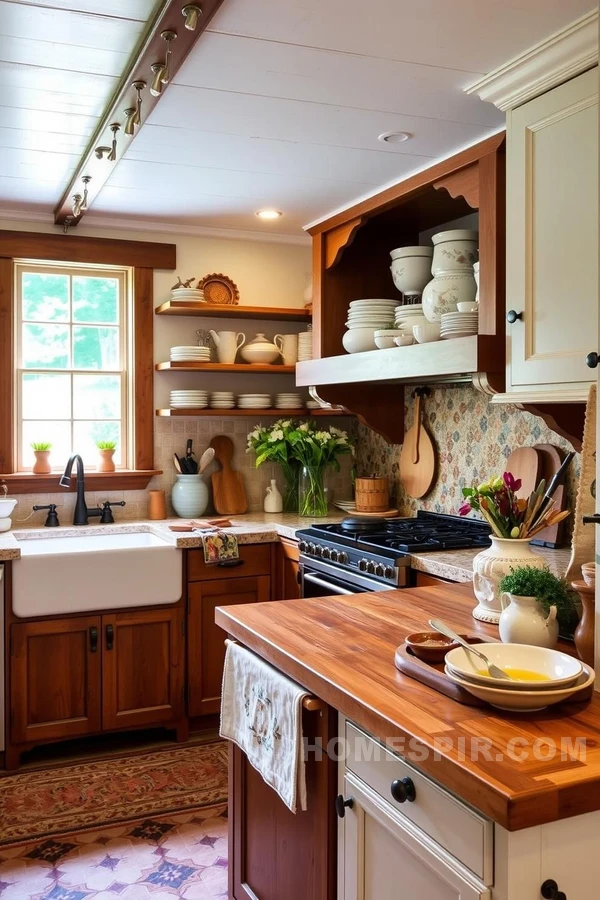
{"points": [[219, 289]]}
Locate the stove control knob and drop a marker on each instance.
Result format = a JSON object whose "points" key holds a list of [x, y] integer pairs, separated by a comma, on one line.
{"points": [[371, 568], [362, 565], [311, 549], [334, 556], [326, 553], [380, 570], [318, 550], [302, 546], [389, 572], [343, 558]]}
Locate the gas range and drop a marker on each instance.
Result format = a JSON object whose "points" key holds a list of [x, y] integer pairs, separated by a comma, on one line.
{"points": [[370, 553]]}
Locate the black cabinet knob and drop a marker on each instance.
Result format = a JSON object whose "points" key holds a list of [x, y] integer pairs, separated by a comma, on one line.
{"points": [[403, 789], [512, 315], [110, 637], [341, 804], [591, 520], [93, 639], [592, 360], [549, 891]]}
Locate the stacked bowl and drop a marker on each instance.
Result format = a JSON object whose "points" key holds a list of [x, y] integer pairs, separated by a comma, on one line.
{"points": [[538, 677], [222, 400], [365, 317], [189, 294], [254, 401], [289, 401], [406, 317], [459, 324], [305, 346]]}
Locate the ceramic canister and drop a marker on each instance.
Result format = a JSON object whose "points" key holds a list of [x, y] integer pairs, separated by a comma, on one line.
{"points": [[189, 496]]}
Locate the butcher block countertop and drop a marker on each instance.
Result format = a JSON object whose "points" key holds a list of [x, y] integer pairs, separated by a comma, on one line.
{"points": [[341, 649]]}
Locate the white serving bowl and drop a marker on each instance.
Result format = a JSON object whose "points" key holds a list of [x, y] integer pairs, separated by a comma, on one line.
{"points": [[408, 323], [385, 339], [359, 339], [7, 504], [523, 701], [404, 340], [400, 252], [412, 272], [467, 307], [426, 332], [560, 670]]}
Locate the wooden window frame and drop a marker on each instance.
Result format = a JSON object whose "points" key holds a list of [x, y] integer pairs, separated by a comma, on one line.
{"points": [[143, 257]]}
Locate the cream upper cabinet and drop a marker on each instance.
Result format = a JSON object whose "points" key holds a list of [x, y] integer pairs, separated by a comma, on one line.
{"points": [[552, 241]]}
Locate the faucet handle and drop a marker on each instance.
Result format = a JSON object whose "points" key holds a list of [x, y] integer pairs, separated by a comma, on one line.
{"points": [[52, 517], [107, 517]]}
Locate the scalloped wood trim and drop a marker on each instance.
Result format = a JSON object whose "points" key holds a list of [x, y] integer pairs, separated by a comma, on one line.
{"points": [[338, 239], [464, 183]]}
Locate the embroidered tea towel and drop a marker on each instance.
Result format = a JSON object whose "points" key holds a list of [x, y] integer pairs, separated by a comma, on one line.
{"points": [[261, 711]]}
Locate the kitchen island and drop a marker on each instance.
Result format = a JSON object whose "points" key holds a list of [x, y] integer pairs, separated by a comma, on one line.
{"points": [[542, 799]]}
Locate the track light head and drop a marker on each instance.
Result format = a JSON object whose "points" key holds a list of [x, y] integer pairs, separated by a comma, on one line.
{"points": [[84, 203], [157, 82], [101, 152], [130, 121], [139, 87], [112, 156], [192, 13], [77, 200], [167, 36]]}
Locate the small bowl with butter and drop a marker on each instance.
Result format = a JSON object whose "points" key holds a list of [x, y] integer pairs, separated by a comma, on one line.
{"points": [[430, 646]]}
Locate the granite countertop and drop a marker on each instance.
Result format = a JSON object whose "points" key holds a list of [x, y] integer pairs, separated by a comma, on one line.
{"points": [[457, 565], [341, 649]]}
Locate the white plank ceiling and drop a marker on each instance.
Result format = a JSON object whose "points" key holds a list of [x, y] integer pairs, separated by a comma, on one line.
{"points": [[279, 104]]}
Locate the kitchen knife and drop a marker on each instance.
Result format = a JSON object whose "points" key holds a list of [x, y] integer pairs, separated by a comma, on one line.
{"points": [[554, 483]]}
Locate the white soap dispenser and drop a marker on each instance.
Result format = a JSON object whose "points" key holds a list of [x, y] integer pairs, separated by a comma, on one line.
{"points": [[273, 498]]}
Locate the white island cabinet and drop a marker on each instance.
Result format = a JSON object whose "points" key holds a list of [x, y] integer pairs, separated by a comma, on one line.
{"points": [[404, 836]]}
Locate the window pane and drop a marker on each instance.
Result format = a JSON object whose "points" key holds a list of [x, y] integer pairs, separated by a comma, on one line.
{"points": [[57, 433], [87, 434], [95, 348], [45, 346], [95, 299], [96, 397], [46, 396], [45, 297]]}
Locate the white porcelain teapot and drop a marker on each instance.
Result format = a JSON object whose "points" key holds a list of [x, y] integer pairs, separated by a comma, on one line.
{"points": [[260, 351], [227, 343]]}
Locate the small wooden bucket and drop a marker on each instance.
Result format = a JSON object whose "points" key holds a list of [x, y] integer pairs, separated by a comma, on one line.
{"points": [[372, 494]]}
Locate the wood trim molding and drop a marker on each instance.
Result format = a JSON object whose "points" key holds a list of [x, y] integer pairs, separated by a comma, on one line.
{"points": [[121, 480], [69, 248], [576, 394], [6, 365], [551, 62], [143, 368], [464, 183], [338, 239]]}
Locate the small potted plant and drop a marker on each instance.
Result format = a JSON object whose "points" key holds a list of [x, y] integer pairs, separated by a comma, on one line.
{"points": [[41, 451], [107, 451], [534, 603]]}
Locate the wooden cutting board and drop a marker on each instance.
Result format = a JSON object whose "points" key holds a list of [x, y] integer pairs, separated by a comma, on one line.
{"points": [[525, 463], [417, 458], [229, 493], [551, 460]]}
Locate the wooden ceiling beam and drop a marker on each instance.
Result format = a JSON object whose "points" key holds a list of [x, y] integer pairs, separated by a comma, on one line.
{"points": [[151, 50]]}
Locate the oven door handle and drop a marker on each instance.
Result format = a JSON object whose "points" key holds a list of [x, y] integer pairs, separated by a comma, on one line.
{"points": [[331, 588]]}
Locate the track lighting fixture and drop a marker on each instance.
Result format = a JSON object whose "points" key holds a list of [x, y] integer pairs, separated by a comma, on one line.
{"points": [[113, 150], [139, 87], [161, 71], [192, 14], [157, 84], [130, 121], [84, 203], [77, 199], [101, 152]]}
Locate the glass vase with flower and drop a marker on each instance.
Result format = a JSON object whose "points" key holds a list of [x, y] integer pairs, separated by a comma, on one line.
{"points": [[317, 449], [273, 445]]}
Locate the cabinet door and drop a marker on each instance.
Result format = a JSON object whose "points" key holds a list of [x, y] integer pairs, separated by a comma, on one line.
{"points": [[285, 583], [576, 872], [55, 679], [552, 235], [385, 857], [143, 668], [206, 647]]}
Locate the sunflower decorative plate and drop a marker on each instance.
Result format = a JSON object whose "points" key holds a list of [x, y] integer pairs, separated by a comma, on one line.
{"points": [[219, 289]]}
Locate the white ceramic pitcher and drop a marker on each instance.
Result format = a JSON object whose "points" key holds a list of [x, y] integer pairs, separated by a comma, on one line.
{"points": [[288, 347], [228, 343], [523, 620]]}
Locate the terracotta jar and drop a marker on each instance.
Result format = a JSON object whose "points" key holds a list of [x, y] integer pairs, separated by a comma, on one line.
{"points": [[584, 633], [106, 462], [42, 462]]}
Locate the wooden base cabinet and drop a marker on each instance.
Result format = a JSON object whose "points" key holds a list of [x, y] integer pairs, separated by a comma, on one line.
{"points": [[286, 584]]}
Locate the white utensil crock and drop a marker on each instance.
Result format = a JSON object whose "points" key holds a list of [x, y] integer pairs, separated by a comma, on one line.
{"points": [[189, 496]]}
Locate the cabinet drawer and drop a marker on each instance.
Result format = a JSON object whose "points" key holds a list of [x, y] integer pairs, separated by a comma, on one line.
{"points": [[456, 827], [256, 560]]}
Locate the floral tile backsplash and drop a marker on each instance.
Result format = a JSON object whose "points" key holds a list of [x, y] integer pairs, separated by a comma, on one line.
{"points": [[473, 440]]}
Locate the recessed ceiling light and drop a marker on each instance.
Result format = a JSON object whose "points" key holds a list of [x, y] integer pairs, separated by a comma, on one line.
{"points": [[269, 214], [394, 137]]}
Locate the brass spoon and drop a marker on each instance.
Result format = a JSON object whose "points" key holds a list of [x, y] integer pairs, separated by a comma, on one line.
{"points": [[493, 671]]}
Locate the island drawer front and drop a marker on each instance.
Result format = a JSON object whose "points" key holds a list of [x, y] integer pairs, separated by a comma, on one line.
{"points": [[255, 560], [456, 827]]}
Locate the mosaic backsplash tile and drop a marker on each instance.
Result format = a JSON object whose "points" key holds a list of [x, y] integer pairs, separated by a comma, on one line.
{"points": [[473, 440]]}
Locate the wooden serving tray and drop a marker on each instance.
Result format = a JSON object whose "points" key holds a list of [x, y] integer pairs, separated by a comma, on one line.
{"points": [[432, 674]]}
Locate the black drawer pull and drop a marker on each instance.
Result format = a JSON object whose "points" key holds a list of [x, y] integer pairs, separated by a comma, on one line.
{"points": [[549, 891], [110, 637], [512, 315], [93, 639], [341, 804], [231, 563], [592, 360], [403, 789]]}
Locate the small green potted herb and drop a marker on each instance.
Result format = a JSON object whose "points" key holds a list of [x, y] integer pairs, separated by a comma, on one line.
{"points": [[534, 603], [107, 451], [41, 451]]}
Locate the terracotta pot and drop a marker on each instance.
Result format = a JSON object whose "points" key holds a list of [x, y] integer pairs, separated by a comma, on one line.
{"points": [[584, 633], [106, 463], [42, 462]]}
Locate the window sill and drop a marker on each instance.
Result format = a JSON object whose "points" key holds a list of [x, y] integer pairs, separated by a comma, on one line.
{"points": [[121, 480]]}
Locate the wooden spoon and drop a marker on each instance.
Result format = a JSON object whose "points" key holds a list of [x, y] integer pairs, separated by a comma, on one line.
{"points": [[206, 459]]}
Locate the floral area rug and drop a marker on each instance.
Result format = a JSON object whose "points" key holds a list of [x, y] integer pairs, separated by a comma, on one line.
{"points": [[39, 804], [159, 858]]}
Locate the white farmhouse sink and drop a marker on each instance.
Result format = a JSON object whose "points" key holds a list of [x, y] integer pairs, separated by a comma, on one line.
{"points": [[88, 572]]}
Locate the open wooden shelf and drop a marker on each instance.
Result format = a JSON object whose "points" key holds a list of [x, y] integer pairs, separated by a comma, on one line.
{"points": [[247, 368], [280, 413], [214, 311]]}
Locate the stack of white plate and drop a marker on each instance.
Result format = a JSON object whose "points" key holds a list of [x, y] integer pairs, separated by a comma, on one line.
{"points": [[192, 353], [189, 399], [254, 401], [188, 294], [374, 314], [538, 677], [305, 346], [222, 400], [289, 401], [459, 324]]}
